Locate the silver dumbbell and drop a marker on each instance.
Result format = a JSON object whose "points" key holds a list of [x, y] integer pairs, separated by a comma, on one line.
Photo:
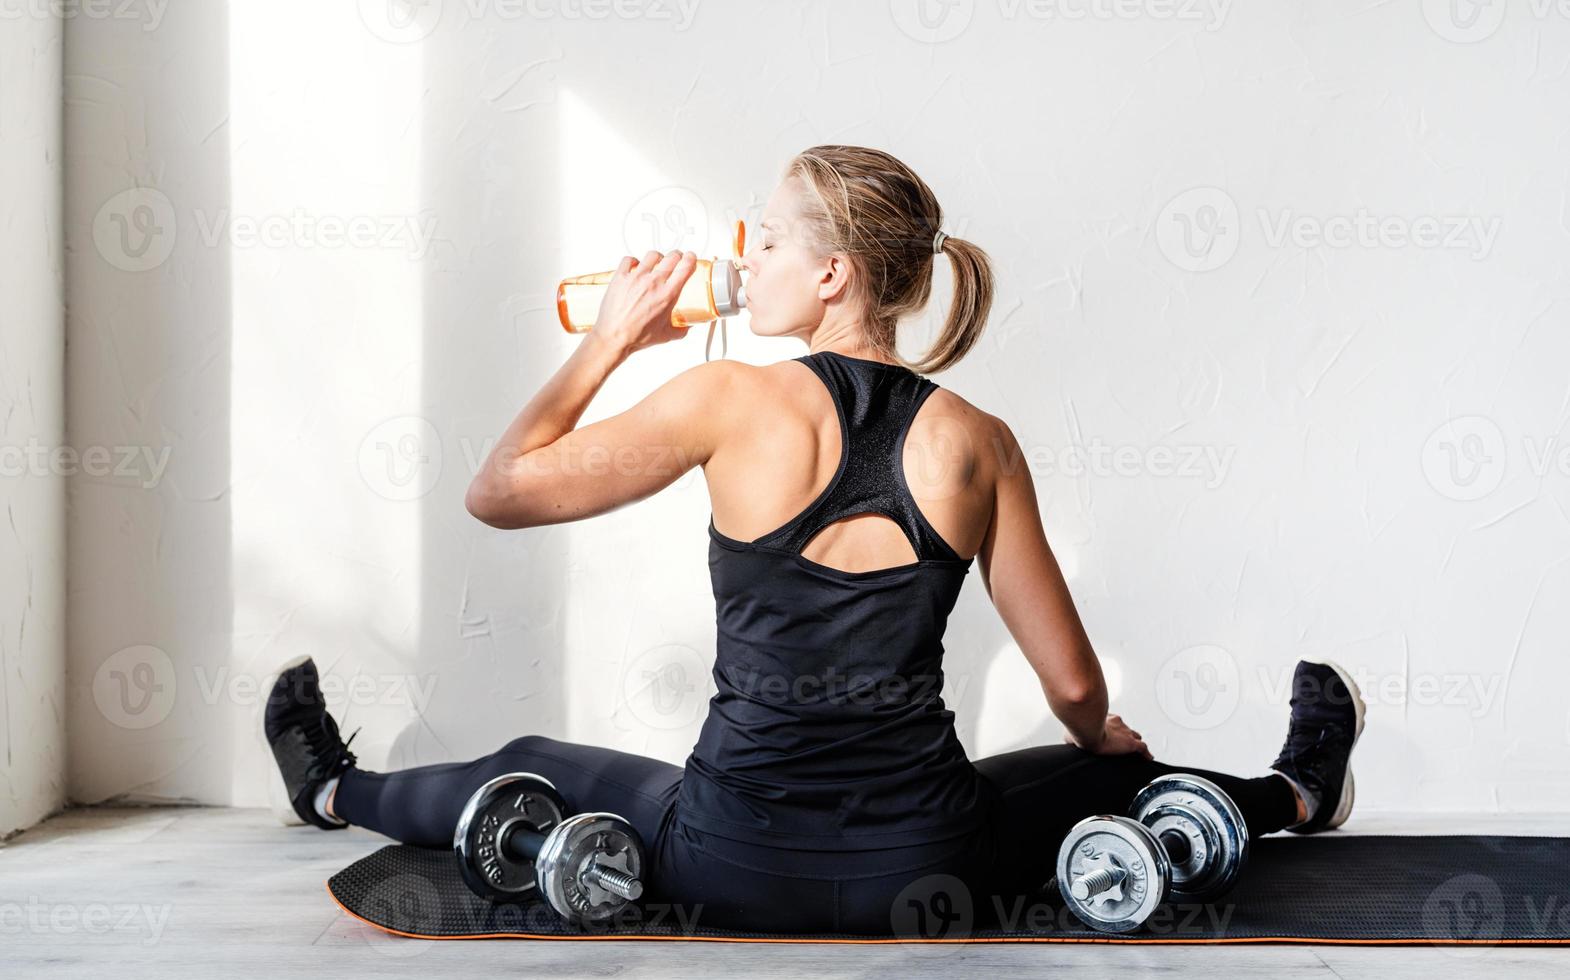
{"points": [[1185, 840], [514, 838]]}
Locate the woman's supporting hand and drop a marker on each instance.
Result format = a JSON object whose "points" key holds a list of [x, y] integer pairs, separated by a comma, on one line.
{"points": [[636, 310], [1116, 739]]}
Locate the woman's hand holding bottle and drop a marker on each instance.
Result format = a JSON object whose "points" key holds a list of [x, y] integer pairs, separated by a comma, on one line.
{"points": [[636, 310]]}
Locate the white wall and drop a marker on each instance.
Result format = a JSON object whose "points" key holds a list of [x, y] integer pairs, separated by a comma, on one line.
{"points": [[148, 366], [32, 484], [1295, 443]]}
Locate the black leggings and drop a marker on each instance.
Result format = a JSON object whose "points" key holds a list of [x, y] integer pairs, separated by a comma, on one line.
{"points": [[703, 880]]}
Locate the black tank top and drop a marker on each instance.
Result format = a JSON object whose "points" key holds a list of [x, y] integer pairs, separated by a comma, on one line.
{"points": [[828, 729]]}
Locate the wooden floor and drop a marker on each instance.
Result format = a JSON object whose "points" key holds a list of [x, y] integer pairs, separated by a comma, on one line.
{"points": [[216, 893]]}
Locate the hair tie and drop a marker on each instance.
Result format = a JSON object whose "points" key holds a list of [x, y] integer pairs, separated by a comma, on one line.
{"points": [[937, 241]]}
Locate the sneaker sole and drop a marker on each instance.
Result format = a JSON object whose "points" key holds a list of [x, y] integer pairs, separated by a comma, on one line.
{"points": [[1348, 785]]}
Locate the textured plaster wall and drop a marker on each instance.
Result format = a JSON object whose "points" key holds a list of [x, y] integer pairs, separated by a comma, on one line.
{"points": [[32, 471], [1281, 323]]}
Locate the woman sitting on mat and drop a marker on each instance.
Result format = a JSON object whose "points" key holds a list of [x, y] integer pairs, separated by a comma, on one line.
{"points": [[827, 777]]}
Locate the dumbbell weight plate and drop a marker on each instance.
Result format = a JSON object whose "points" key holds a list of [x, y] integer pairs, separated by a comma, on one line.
{"points": [[521, 800], [582, 840], [1113, 842], [1204, 814]]}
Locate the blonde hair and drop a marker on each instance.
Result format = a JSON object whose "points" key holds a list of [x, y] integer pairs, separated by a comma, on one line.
{"points": [[873, 208]]}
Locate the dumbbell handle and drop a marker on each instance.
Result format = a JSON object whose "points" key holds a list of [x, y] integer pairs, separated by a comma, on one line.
{"points": [[522, 844], [1177, 848], [1096, 882], [615, 880]]}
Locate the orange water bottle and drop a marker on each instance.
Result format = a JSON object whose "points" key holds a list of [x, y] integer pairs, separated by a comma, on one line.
{"points": [[713, 292]]}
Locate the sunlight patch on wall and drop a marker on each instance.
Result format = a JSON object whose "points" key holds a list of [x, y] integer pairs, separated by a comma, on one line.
{"points": [[615, 201], [326, 239]]}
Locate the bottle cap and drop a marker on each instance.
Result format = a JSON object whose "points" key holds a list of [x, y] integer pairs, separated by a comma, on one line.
{"points": [[726, 287]]}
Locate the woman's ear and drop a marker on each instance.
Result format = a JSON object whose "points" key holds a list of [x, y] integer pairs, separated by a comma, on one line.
{"points": [[834, 279]]}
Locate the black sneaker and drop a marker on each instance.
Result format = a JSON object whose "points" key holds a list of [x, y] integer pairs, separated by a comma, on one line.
{"points": [[305, 740], [1327, 719]]}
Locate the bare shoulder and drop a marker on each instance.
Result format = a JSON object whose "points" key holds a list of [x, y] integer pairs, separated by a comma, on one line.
{"points": [[964, 431]]}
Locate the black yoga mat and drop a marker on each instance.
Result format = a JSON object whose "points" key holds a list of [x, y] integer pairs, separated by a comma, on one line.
{"points": [[1334, 888]]}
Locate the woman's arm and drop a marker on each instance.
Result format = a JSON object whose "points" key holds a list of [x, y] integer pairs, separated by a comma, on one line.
{"points": [[543, 470], [1026, 585]]}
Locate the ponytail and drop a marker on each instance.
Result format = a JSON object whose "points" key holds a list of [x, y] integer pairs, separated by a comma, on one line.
{"points": [[972, 302]]}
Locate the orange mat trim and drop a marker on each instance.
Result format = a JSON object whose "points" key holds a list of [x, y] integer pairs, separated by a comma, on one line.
{"points": [[1301, 940]]}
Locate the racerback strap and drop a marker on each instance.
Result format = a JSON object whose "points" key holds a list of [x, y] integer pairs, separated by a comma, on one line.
{"points": [[876, 403]]}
